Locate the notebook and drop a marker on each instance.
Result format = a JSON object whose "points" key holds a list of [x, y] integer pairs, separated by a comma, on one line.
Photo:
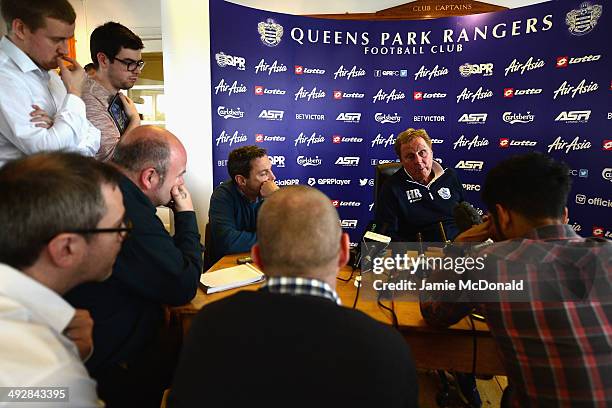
{"points": [[229, 278]]}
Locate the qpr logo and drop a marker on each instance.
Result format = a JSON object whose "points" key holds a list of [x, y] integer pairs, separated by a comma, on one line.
{"points": [[387, 117], [583, 20], [306, 161], [470, 165], [300, 70], [225, 138], [349, 117], [580, 89], [473, 118], [512, 92], [471, 187], [420, 95], [574, 116], [347, 161], [445, 193], [270, 114], [270, 32], [230, 113], [565, 61], [328, 182], [512, 118], [277, 161], [224, 60], [476, 69], [313, 94], [560, 144]]}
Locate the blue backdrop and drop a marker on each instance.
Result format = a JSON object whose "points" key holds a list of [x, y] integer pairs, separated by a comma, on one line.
{"points": [[328, 97]]}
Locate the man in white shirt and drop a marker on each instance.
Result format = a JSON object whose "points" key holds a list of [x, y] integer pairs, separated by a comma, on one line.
{"points": [[62, 218], [40, 110]]}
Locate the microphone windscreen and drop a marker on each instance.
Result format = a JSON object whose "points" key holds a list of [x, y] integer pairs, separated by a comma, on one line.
{"points": [[466, 216]]}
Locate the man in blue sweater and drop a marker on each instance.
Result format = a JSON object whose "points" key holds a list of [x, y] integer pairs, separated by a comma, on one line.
{"points": [[235, 203], [421, 195]]}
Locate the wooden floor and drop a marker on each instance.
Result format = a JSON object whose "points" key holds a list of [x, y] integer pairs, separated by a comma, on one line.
{"points": [[490, 390]]}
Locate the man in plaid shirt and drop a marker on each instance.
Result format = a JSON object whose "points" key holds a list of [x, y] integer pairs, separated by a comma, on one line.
{"points": [[556, 343]]}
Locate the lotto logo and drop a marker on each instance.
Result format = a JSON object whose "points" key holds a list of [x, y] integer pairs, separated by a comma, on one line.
{"points": [[598, 232], [259, 90], [508, 92], [259, 137], [299, 70], [335, 203], [607, 145], [337, 94], [562, 62], [337, 139], [417, 95], [504, 142]]}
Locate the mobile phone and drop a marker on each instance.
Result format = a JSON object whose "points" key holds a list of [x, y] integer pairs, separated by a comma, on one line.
{"points": [[117, 112], [246, 259]]}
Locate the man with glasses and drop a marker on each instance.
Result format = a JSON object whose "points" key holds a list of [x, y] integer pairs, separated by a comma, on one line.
{"points": [[62, 219], [132, 349], [116, 55], [40, 110]]}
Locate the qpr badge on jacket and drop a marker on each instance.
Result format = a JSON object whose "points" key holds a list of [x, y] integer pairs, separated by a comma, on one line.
{"points": [[445, 193]]}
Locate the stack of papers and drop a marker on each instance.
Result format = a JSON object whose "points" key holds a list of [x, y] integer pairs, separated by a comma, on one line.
{"points": [[229, 278]]}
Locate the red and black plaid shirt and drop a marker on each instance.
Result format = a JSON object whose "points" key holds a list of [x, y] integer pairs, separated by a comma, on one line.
{"points": [[556, 353]]}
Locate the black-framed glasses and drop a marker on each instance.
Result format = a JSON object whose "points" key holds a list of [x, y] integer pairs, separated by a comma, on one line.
{"points": [[123, 231], [132, 65]]}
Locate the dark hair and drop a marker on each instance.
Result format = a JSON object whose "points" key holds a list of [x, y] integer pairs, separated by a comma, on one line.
{"points": [[46, 194], [140, 153], [533, 184], [239, 160], [33, 12], [109, 38], [89, 66]]}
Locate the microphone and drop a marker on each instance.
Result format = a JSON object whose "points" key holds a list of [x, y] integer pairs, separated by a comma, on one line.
{"points": [[466, 216], [375, 242]]}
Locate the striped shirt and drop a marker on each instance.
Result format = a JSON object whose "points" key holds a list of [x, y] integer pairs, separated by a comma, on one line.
{"points": [[556, 353]]}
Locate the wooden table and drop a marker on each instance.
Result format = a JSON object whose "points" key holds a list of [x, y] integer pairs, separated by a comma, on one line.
{"points": [[447, 349]]}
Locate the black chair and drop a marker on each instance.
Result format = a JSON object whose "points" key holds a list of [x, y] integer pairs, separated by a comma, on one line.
{"points": [[382, 173], [208, 247]]}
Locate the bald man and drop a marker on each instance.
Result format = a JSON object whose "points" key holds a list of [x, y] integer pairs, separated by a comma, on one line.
{"points": [[152, 269], [291, 343]]}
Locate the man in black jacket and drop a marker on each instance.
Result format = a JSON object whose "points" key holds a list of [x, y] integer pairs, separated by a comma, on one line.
{"points": [[421, 194], [152, 269], [291, 344]]}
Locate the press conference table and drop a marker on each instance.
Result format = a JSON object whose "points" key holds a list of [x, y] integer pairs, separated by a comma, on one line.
{"points": [[447, 349]]}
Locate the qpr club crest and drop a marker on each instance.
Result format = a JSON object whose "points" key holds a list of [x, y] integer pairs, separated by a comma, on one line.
{"points": [[270, 32], [583, 20], [445, 193]]}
